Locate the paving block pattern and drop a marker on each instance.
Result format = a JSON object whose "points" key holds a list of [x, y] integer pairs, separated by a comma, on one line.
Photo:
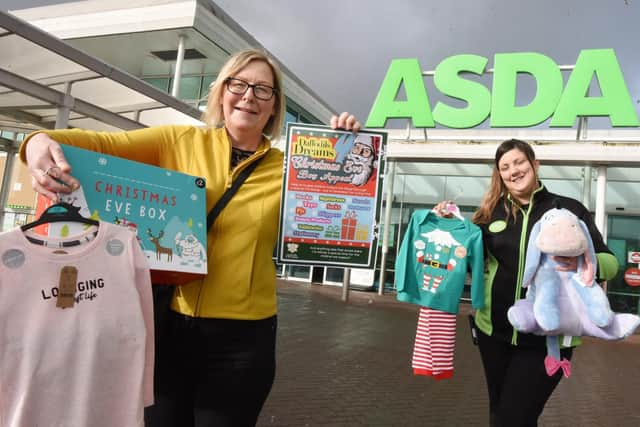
{"points": [[349, 364]]}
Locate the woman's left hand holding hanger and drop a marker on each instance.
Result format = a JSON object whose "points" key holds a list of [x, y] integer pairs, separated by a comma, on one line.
{"points": [[50, 171]]}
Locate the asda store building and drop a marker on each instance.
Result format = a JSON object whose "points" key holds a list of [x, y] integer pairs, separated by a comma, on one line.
{"points": [[581, 121]]}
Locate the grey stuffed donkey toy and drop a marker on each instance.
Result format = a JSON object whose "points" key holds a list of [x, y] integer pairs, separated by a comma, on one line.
{"points": [[565, 302]]}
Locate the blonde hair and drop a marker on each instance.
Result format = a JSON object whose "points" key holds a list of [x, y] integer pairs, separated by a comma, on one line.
{"points": [[214, 116], [497, 191]]}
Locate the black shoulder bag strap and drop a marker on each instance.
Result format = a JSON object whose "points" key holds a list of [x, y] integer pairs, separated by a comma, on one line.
{"points": [[162, 295], [226, 197]]}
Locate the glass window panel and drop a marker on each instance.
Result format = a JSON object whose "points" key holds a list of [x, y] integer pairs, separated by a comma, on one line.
{"points": [[206, 82], [279, 269], [362, 277], [8, 220], [333, 275], [21, 198], [190, 87], [12, 220], [3, 164], [299, 272], [289, 117], [623, 239], [161, 83]]}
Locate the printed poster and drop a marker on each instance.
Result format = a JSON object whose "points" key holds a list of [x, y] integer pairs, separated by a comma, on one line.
{"points": [[330, 196]]}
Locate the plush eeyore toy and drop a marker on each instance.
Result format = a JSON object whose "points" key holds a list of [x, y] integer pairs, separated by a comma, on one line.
{"points": [[564, 302]]}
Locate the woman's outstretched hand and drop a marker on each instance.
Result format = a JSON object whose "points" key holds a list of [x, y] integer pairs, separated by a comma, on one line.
{"points": [[441, 209], [345, 121], [50, 171]]}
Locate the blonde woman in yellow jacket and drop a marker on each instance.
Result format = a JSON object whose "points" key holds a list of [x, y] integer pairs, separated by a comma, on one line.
{"points": [[215, 363]]}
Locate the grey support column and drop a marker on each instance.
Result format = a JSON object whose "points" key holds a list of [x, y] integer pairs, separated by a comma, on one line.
{"points": [[177, 74], [586, 187], [11, 148], [389, 177], [581, 135], [62, 115], [601, 206], [601, 198], [346, 280]]}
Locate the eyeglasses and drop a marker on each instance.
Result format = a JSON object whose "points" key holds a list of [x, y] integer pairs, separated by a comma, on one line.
{"points": [[239, 87], [361, 150]]}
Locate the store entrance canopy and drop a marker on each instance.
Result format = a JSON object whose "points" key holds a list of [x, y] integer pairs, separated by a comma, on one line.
{"points": [[46, 83]]}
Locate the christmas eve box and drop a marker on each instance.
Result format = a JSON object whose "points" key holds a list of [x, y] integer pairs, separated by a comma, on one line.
{"points": [[165, 208]]}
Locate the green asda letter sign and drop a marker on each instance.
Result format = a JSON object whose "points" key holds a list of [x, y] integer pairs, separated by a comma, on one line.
{"points": [[562, 104]]}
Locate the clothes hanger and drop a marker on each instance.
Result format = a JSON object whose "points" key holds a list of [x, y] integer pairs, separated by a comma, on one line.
{"points": [[453, 209], [59, 212]]}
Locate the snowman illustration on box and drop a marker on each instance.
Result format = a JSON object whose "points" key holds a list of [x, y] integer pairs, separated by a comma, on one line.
{"points": [[190, 249]]}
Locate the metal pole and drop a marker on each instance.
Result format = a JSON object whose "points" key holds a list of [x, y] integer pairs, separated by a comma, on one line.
{"points": [[60, 99], [586, 187], [601, 197], [11, 150], [389, 177], [581, 135], [401, 214], [177, 75], [62, 115], [346, 279]]}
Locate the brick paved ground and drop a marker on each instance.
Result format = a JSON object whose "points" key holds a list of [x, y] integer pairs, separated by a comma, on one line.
{"points": [[348, 364]]}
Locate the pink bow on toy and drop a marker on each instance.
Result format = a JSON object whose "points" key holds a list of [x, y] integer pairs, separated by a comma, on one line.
{"points": [[552, 365]]}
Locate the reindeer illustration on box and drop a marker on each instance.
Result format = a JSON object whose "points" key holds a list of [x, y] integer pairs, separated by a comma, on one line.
{"points": [[159, 248]]}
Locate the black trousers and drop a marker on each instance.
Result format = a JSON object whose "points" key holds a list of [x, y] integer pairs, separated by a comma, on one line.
{"points": [[517, 381], [211, 372]]}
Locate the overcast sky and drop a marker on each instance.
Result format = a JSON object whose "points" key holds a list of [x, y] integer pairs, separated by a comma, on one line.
{"points": [[342, 48]]}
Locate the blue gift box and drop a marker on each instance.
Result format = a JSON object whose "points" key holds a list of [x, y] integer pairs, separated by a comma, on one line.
{"points": [[167, 210]]}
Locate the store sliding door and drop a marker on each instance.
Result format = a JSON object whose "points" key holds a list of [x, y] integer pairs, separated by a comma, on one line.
{"points": [[624, 241]]}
